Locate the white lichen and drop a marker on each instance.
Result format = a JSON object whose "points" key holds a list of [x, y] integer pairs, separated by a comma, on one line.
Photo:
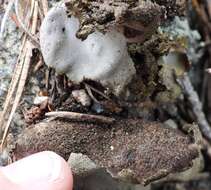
{"points": [[180, 28], [100, 57]]}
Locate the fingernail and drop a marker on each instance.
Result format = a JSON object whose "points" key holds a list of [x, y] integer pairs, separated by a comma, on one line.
{"points": [[45, 166]]}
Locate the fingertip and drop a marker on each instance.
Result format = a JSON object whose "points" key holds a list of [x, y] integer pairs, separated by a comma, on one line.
{"points": [[45, 170], [6, 184]]}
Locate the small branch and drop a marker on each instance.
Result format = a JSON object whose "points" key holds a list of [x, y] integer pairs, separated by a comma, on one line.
{"points": [[45, 6], [91, 94], [34, 40], [193, 98], [97, 91], [201, 13], [13, 84], [81, 117], [20, 79]]}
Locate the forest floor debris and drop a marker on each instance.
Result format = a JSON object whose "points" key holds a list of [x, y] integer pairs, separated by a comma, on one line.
{"points": [[134, 129]]}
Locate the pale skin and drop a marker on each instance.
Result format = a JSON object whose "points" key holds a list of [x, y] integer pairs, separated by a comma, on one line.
{"points": [[43, 171]]}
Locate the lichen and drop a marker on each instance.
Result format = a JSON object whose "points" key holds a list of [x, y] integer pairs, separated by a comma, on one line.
{"points": [[174, 64], [180, 31]]}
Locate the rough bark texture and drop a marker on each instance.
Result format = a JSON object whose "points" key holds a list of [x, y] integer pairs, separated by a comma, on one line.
{"points": [[130, 148]]}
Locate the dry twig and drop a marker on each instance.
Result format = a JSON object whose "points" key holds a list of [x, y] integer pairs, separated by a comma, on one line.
{"points": [[193, 99], [20, 78], [13, 84], [97, 91], [44, 6], [201, 13], [34, 40], [81, 117], [88, 89]]}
